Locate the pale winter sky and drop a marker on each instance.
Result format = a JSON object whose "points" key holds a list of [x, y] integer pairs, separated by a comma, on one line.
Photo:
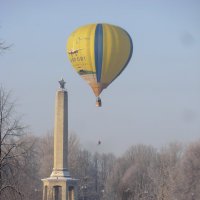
{"points": [[156, 100]]}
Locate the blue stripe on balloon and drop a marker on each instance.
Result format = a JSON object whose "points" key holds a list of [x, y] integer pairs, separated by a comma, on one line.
{"points": [[98, 46]]}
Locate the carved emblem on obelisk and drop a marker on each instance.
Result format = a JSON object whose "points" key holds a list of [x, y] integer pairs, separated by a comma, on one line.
{"points": [[62, 84]]}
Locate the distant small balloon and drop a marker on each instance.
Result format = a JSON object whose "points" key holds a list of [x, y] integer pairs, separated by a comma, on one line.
{"points": [[99, 53]]}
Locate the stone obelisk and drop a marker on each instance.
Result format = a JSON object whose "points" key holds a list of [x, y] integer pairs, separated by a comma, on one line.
{"points": [[60, 186]]}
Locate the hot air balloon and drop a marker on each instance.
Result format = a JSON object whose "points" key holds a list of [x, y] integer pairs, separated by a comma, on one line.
{"points": [[99, 53]]}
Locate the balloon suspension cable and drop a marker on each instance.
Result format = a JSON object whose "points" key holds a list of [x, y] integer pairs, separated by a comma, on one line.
{"points": [[98, 102]]}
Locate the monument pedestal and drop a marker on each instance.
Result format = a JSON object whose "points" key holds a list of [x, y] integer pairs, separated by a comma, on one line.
{"points": [[60, 186]]}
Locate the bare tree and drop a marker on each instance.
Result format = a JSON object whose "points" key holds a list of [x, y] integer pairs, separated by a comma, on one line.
{"points": [[130, 178], [164, 173], [103, 165], [3, 46], [188, 183], [74, 149], [45, 150], [10, 131]]}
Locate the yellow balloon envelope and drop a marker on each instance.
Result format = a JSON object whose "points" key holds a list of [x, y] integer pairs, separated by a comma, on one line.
{"points": [[99, 53]]}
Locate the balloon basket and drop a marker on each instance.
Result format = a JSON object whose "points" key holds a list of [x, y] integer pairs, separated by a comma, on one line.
{"points": [[98, 102]]}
